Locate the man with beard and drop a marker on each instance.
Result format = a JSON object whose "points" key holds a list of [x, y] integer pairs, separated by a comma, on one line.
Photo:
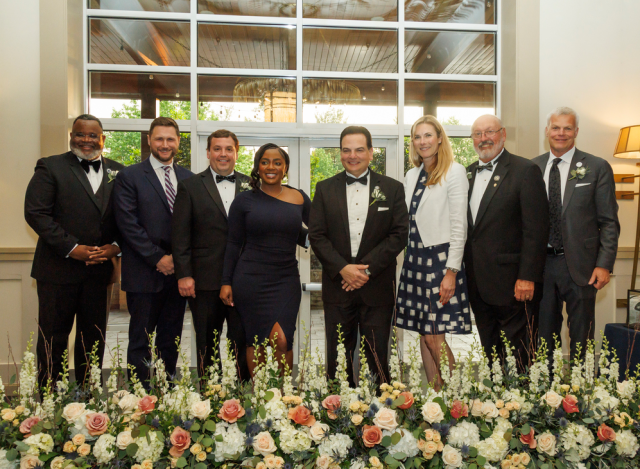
{"points": [[143, 198], [68, 205], [506, 246]]}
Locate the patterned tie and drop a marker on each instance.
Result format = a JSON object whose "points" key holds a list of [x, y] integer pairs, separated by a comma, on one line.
{"points": [[555, 206], [168, 187]]}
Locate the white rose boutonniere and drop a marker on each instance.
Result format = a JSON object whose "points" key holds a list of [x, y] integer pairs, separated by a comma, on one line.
{"points": [[378, 195], [580, 172], [111, 174], [245, 186]]}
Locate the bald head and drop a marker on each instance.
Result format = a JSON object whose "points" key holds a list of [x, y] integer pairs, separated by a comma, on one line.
{"points": [[489, 136]]}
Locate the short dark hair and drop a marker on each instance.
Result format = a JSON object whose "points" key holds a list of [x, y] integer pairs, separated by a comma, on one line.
{"points": [[222, 133], [88, 117], [354, 130], [164, 122], [255, 175]]}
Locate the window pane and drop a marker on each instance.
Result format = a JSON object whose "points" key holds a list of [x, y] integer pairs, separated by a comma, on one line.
{"points": [[453, 103], [372, 10], [131, 147], [248, 8], [451, 11], [350, 50], [139, 95], [231, 46], [137, 42], [172, 6], [463, 151], [450, 52], [258, 99], [350, 101]]}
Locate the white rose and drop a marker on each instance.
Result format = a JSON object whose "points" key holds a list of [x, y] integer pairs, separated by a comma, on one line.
{"points": [[489, 410], [74, 411], [386, 419], [432, 412], [476, 408], [57, 462], [546, 443], [324, 461], [451, 457], [124, 439], [277, 395], [129, 403], [201, 409], [553, 399], [30, 461], [318, 431], [263, 443]]}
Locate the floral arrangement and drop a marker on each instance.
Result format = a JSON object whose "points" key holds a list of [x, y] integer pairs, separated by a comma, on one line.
{"points": [[486, 416]]}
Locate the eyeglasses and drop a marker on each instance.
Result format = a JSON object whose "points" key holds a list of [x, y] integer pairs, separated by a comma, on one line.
{"points": [[488, 133], [82, 136]]}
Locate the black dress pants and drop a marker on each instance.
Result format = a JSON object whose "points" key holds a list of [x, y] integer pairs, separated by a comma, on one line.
{"points": [[58, 306], [374, 323], [162, 312], [560, 288], [209, 314]]}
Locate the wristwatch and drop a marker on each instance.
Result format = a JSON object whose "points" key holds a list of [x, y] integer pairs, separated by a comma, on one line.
{"points": [[455, 271], [368, 272]]}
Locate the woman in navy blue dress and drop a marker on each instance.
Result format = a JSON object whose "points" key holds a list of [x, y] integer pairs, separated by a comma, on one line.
{"points": [[260, 276], [432, 294]]}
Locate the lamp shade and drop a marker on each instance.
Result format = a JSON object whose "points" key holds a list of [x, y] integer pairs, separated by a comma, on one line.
{"points": [[628, 145]]}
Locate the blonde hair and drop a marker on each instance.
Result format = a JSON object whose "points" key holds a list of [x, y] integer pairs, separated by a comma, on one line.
{"points": [[444, 157]]}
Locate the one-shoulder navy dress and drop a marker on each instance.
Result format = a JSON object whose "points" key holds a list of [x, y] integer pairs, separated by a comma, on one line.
{"points": [[260, 262]]}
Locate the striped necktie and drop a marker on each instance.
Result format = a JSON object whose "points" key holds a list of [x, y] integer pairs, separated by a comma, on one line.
{"points": [[168, 187]]}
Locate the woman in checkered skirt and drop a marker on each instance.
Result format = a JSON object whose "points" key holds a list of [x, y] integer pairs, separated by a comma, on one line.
{"points": [[432, 295]]}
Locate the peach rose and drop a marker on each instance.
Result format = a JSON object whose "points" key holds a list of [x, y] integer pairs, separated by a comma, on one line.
{"points": [[78, 439], [30, 461], [97, 423], [606, 433], [181, 440], [147, 404], [25, 427], [263, 443], [408, 400], [84, 450], [356, 419], [124, 439], [459, 409], [547, 444], [371, 435], [570, 404], [432, 412], [332, 403], [302, 416], [231, 411], [73, 411], [529, 439], [318, 431], [146, 464], [386, 419]]}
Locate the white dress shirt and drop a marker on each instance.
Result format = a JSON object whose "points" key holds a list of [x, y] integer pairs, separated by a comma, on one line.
{"points": [[357, 207], [480, 185], [95, 177], [227, 190], [158, 167], [564, 166]]}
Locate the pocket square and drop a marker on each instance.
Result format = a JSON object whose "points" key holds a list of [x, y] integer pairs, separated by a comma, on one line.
{"points": [[583, 184], [382, 209]]}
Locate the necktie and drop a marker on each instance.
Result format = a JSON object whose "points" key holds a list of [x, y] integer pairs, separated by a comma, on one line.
{"points": [[488, 166], [231, 178], [361, 180], [86, 165], [168, 187], [555, 206]]}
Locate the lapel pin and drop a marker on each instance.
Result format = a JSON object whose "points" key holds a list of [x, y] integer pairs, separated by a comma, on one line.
{"points": [[496, 178], [578, 164]]}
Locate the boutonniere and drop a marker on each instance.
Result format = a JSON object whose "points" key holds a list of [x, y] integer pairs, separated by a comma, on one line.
{"points": [[469, 174], [378, 195], [580, 172], [111, 175], [245, 186]]}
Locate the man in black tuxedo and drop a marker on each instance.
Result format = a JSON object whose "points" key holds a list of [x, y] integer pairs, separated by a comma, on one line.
{"points": [[357, 227], [583, 234], [68, 204], [144, 198], [505, 251], [199, 239]]}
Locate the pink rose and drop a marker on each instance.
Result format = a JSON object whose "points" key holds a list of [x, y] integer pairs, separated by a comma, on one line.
{"points": [[570, 404], [606, 433], [97, 423], [302, 416], [331, 403], [529, 439], [25, 427], [147, 404], [459, 409], [408, 400], [231, 411], [371, 436], [181, 440]]}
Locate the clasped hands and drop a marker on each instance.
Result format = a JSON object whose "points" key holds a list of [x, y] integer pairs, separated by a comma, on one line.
{"points": [[353, 276], [92, 255]]}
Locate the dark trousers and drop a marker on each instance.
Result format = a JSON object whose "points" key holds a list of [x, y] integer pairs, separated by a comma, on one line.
{"points": [[374, 323], [518, 320], [209, 314], [58, 306], [560, 288], [162, 312]]}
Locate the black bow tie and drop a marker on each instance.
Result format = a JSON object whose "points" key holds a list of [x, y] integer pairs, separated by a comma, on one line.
{"points": [[362, 180], [488, 166], [231, 178], [87, 164]]}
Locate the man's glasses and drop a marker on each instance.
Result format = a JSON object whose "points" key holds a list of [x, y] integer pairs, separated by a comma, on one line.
{"points": [[487, 133]]}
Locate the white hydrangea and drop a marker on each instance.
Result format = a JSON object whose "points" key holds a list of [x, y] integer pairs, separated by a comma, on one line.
{"points": [[516, 396], [4, 464], [357, 463], [626, 443], [232, 440], [294, 440], [40, 443], [607, 401], [104, 449], [463, 433], [338, 443], [407, 444], [577, 441], [180, 400], [626, 390], [151, 449], [494, 448], [502, 426]]}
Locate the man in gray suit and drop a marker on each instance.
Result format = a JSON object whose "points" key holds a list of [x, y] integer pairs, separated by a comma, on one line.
{"points": [[583, 231]]}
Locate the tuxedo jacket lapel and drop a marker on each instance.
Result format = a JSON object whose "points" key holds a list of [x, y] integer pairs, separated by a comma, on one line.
{"points": [[106, 187], [471, 169], [155, 183], [571, 184], [375, 180], [499, 172], [212, 189], [80, 173], [340, 189]]}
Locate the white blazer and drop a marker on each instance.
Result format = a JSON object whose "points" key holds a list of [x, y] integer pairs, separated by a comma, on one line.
{"points": [[441, 216]]}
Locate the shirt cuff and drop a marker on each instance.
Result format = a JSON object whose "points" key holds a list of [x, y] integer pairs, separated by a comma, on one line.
{"points": [[71, 251]]}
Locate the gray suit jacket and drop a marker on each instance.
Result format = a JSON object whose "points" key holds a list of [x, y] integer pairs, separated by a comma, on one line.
{"points": [[590, 227]]}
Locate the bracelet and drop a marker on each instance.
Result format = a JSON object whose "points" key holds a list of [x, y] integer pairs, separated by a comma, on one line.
{"points": [[455, 271]]}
